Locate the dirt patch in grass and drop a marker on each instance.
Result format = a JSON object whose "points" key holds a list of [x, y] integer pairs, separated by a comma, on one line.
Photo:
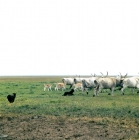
{"points": [[60, 128]]}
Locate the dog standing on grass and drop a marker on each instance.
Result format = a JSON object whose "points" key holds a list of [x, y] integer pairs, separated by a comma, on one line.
{"points": [[70, 93], [11, 98]]}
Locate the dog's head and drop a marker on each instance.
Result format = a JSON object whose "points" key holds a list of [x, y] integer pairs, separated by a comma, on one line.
{"points": [[72, 90]]}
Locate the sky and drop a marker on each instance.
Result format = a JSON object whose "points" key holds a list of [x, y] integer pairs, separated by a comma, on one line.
{"points": [[69, 37]]}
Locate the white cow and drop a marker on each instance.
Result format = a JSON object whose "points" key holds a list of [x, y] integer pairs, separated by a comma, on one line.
{"points": [[88, 83], [107, 83], [129, 82], [60, 86], [48, 86], [68, 81]]}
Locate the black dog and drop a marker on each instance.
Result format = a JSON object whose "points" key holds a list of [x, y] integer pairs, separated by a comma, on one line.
{"points": [[11, 98], [70, 93]]}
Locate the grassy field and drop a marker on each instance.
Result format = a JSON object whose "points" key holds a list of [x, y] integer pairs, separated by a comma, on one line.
{"points": [[31, 100]]}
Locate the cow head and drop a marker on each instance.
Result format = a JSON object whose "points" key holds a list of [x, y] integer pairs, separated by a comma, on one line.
{"points": [[75, 81], [122, 78]]}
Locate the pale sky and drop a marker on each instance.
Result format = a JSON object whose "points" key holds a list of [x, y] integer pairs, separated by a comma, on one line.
{"points": [[69, 37]]}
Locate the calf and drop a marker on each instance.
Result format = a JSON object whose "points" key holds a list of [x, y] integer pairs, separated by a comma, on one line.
{"points": [[70, 93], [48, 86], [78, 86], [60, 86]]}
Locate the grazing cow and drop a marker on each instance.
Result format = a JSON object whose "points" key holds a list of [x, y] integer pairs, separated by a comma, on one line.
{"points": [[68, 81], [60, 86], [107, 83], [130, 82], [78, 86], [70, 93], [11, 98], [48, 86]]}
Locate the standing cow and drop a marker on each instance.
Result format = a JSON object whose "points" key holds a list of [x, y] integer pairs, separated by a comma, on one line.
{"points": [[107, 83], [68, 81], [129, 82], [88, 83]]}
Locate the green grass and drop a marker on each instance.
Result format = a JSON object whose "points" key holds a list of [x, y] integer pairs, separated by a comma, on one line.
{"points": [[32, 100]]}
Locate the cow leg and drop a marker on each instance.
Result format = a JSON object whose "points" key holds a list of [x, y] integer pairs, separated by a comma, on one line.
{"points": [[86, 91], [70, 86], [122, 90], [94, 92], [112, 91], [97, 90]]}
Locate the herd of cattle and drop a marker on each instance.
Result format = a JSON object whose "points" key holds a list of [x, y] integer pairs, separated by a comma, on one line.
{"points": [[97, 83]]}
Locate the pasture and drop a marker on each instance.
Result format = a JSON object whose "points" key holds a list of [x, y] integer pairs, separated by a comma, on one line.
{"points": [[36, 114]]}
